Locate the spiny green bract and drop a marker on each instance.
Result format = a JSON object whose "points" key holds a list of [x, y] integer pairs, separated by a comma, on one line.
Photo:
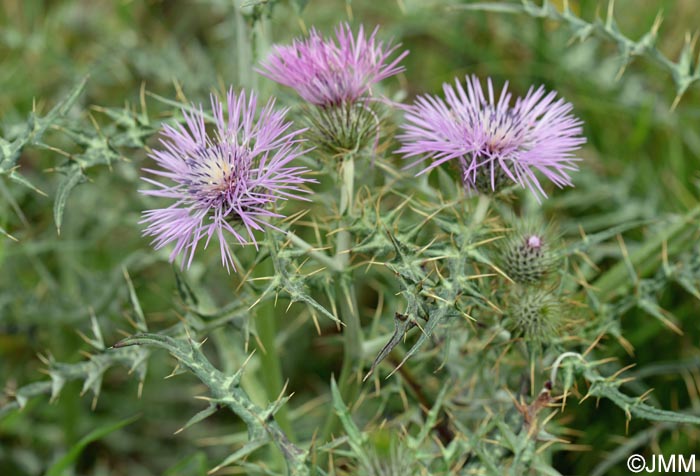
{"points": [[337, 130], [536, 314], [527, 256]]}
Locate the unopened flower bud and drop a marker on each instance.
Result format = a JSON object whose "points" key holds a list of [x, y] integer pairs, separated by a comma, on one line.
{"points": [[527, 257], [535, 314]]}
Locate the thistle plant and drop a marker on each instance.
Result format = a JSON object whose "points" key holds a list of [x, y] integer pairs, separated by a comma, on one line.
{"points": [[343, 285]]}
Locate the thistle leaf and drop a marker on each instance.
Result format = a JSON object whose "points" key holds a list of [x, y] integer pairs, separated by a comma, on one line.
{"points": [[74, 176], [634, 407]]}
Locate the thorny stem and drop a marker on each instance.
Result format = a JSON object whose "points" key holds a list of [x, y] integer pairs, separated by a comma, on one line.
{"points": [[683, 76], [225, 390], [352, 332], [255, 384], [272, 378]]}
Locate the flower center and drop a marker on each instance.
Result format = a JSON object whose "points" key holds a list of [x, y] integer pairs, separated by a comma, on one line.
{"points": [[215, 174], [534, 241], [501, 127]]}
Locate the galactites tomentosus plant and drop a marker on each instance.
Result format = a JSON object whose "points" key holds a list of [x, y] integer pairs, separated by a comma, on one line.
{"points": [[382, 321]]}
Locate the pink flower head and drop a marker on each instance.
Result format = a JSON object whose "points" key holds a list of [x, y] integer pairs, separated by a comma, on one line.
{"points": [[223, 180], [329, 73], [492, 140]]}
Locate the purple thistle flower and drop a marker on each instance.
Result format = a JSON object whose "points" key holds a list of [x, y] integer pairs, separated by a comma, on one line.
{"points": [[492, 140], [223, 179], [329, 73]]}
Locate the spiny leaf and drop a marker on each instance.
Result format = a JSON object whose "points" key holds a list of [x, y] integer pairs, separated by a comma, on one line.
{"points": [[634, 407], [181, 106], [650, 305], [646, 258], [62, 108], [73, 177], [242, 452], [436, 317], [35, 128], [430, 420], [5, 153], [90, 370], [292, 283], [355, 436], [199, 416], [135, 304], [22, 180], [402, 324], [596, 238]]}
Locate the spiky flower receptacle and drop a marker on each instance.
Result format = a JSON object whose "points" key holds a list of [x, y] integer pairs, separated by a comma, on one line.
{"points": [[493, 141], [223, 180], [330, 73], [527, 256], [536, 314], [335, 77], [341, 129]]}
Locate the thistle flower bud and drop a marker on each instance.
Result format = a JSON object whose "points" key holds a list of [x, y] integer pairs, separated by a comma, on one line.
{"points": [[342, 128], [527, 256], [535, 314]]}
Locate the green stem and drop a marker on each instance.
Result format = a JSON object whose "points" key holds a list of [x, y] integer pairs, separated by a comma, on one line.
{"points": [[347, 185], [266, 326], [482, 208], [352, 337], [348, 381]]}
